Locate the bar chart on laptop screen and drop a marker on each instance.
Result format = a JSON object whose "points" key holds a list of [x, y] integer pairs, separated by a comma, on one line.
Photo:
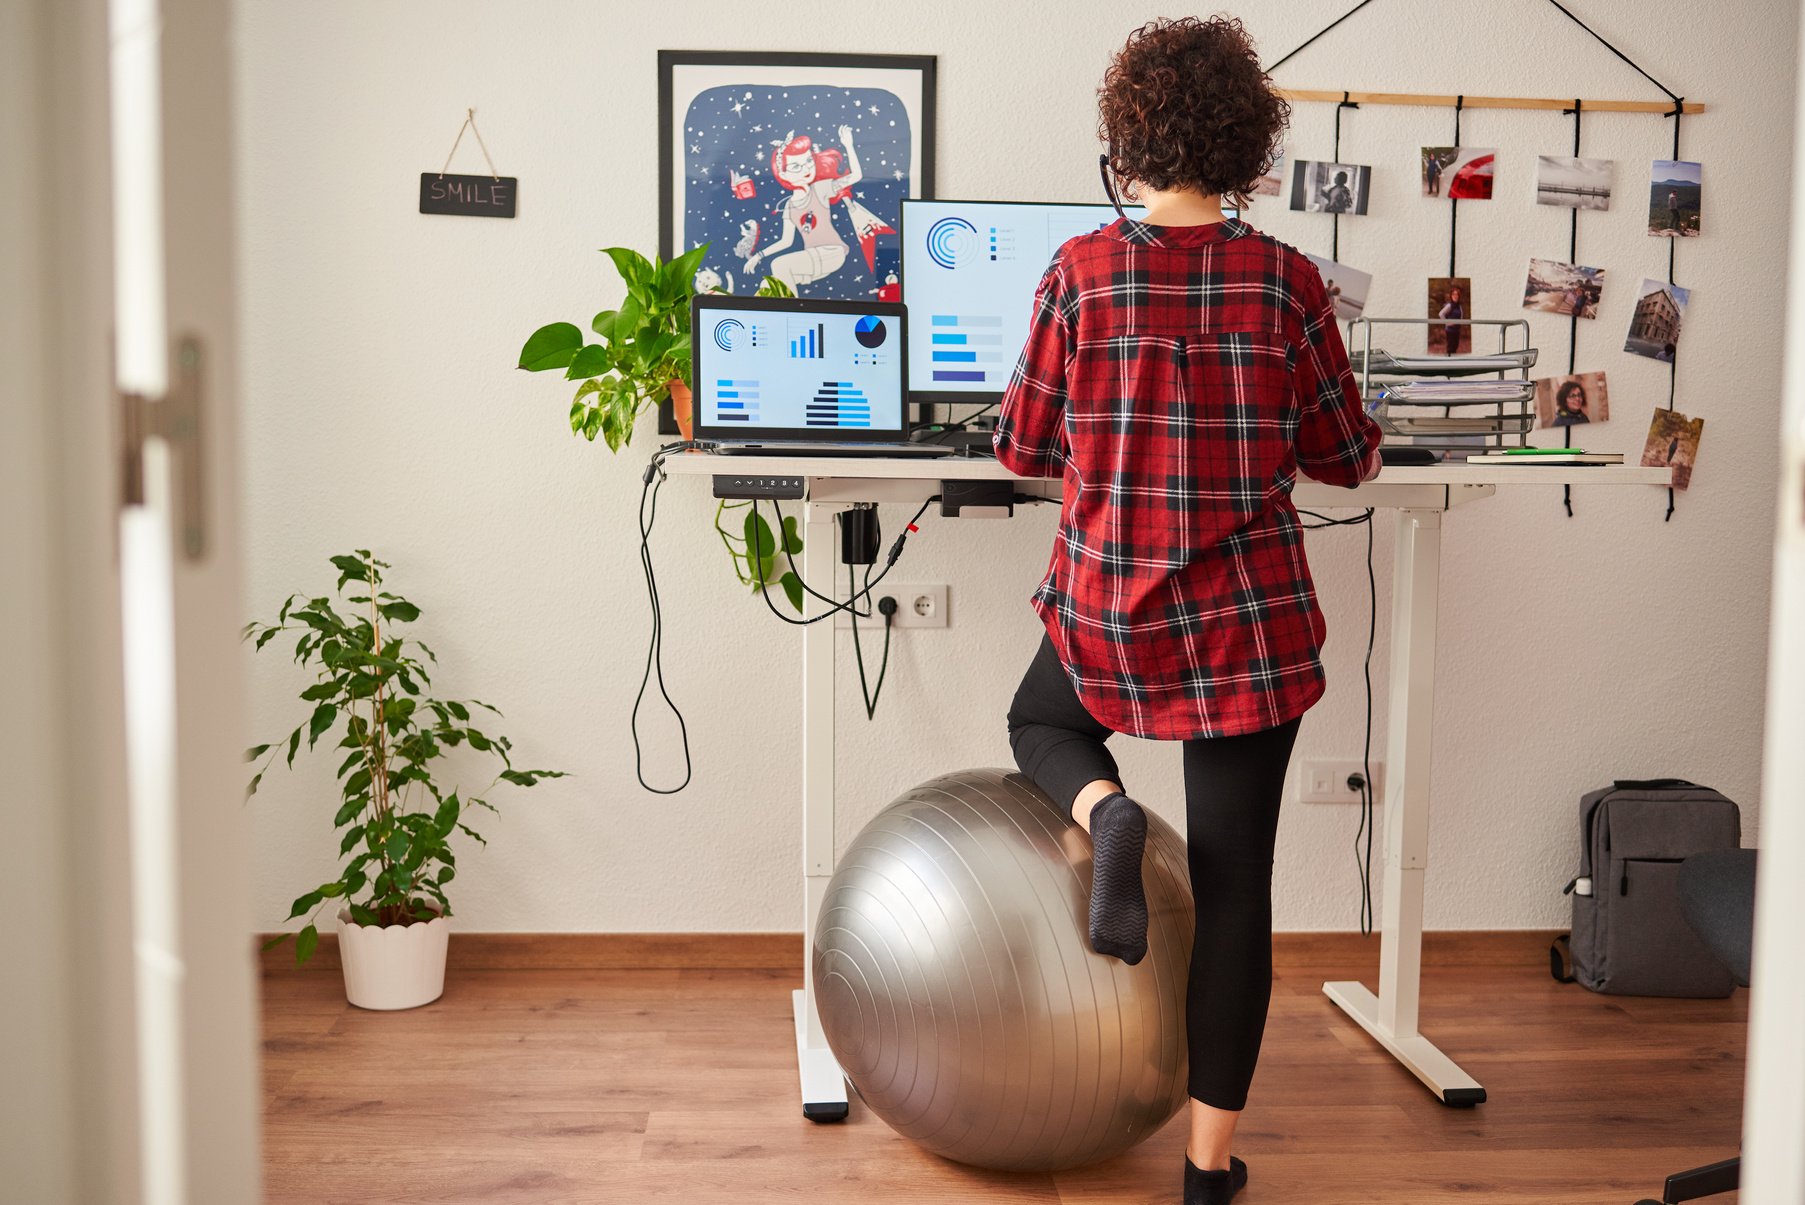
{"points": [[970, 269], [769, 372]]}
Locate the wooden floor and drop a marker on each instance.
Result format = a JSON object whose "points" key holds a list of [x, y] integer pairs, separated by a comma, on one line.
{"points": [[680, 1085]]}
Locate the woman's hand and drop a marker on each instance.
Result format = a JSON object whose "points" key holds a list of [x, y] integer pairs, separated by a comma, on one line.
{"points": [[846, 138]]}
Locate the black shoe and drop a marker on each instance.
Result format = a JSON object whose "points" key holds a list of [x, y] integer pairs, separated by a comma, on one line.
{"points": [[1214, 1187]]}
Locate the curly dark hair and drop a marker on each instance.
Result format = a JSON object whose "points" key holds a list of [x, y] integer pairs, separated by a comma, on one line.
{"points": [[1185, 104]]}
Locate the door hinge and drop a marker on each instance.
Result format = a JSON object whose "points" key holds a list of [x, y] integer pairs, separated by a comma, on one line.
{"points": [[175, 419]]}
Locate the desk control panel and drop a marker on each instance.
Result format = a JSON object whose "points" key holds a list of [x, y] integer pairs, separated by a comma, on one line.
{"points": [[742, 485]]}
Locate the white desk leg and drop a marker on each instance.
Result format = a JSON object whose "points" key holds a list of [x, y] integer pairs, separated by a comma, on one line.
{"points": [[1391, 1016], [823, 1083]]}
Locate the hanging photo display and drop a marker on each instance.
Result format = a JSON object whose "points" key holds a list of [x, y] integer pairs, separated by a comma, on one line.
{"points": [[1673, 443], [1450, 300], [1558, 288], [1655, 322], [1342, 188], [1575, 183], [1570, 400], [793, 165], [1347, 287], [1460, 173], [1269, 184], [1673, 199]]}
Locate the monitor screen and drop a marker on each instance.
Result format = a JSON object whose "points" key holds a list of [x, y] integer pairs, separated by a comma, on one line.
{"points": [[969, 270], [804, 367]]}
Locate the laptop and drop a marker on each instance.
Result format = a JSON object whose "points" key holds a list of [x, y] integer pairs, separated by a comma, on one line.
{"points": [[792, 376]]}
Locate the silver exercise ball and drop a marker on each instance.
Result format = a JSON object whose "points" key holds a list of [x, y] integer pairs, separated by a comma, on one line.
{"points": [[959, 992]]}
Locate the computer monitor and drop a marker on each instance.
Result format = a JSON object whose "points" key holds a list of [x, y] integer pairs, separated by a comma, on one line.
{"points": [[969, 269], [768, 368]]}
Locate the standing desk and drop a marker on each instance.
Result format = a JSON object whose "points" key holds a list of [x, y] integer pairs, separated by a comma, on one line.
{"points": [[1418, 495]]}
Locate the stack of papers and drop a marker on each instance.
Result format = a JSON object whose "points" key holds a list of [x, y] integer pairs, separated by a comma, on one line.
{"points": [[1458, 393], [1386, 364]]}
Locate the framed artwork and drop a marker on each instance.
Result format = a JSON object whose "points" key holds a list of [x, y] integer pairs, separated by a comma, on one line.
{"points": [[793, 165]]}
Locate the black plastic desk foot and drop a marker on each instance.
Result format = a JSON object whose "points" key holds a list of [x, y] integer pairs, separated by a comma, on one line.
{"points": [[1463, 1098], [830, 1111]]}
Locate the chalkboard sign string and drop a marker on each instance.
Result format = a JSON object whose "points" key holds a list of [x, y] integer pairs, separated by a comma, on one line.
{"points": [[470, 124]]}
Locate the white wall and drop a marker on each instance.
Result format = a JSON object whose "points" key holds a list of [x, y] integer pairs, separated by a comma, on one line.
{"points": [[382, 411]]}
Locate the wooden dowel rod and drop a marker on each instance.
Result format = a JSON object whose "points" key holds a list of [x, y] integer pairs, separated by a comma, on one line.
{"points": [[1490, 102]]}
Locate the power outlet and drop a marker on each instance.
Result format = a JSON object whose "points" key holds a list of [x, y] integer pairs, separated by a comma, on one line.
{"points": [[1325, 781], [917, 606]]}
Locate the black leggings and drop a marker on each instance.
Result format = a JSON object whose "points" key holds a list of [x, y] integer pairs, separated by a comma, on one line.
{"points": [[1232, 790]]}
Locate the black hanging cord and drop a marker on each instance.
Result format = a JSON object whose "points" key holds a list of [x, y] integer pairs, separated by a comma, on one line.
{"points": [[1673, 366], [1325, 29], [650, 483], [1335, 218], [1460, 102], [1573, 319], [1626, 58]]}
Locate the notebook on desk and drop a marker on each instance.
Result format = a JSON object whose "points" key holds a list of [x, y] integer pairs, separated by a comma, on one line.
{"points": [[787, 377]]}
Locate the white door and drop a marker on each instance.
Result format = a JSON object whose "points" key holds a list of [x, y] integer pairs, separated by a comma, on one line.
{"points": [[130, 1040]]}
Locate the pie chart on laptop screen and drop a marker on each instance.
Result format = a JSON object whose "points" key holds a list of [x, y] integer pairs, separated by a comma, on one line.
{"points": [[870, 331]]}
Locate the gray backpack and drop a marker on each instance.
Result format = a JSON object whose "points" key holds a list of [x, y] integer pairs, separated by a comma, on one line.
{"points": [[1629, 938]]}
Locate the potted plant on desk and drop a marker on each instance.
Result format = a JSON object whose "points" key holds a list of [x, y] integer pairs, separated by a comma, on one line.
{"points": [[642, 356], [389, 896]]}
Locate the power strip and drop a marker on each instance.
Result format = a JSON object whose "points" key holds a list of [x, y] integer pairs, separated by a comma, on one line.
{"points": [[726, 486]]}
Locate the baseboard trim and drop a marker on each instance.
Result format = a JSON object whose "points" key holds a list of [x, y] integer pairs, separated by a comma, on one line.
{"points": [[784, 951]]}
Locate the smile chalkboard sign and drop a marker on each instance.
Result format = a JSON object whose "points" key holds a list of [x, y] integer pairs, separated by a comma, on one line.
{"points": [[468, 196]]}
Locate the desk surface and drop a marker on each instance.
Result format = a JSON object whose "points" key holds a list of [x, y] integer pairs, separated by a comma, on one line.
{"points": [[984, 468]]}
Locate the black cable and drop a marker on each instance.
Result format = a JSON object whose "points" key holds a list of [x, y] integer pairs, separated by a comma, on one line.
{"points": [[650, 483], [1367, 801], [850, 604], [871, 695], [1363, 862], [959, 424], [1325, 29]]}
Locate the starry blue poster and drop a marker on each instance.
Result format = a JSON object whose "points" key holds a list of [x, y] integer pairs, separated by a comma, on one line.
{"points": [[803, 183], [795, 173]]}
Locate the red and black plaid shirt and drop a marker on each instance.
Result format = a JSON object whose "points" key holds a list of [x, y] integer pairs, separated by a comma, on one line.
{"points": [[1178, 377]]}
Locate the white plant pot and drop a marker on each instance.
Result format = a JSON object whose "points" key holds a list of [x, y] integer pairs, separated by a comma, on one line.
{"points": [[393, 966]]}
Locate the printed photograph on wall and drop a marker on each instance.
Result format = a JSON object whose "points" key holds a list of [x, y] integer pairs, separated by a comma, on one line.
{"points": [[1571, 400], [1450, 301], [1673, 199], [793, 166], [1558, 288], [1318, 187], [1655, 322], [1269, 184], [1575, 183], [1673, 443], [1461, 173], [1347, 287]]}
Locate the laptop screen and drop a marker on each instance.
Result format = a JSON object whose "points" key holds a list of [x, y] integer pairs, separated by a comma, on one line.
{"points": [[798, 369]]}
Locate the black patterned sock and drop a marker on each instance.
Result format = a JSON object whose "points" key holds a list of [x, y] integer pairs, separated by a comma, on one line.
{"points": [[1118, 917], [1214, 1187]]}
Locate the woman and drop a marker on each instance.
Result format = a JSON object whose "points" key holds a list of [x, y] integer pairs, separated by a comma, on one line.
{"points": [[1452, 309], [1178, 373], [1570, 405]]}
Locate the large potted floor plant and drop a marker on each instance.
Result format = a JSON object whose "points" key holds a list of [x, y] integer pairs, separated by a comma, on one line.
{"points": [[369, 701]]}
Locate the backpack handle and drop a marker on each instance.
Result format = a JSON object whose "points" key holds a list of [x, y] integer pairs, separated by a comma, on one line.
{"points": [[1649, 784]]}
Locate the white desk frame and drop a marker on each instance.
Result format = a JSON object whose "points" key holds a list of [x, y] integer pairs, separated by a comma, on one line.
{"points": [[1419, 496]]}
